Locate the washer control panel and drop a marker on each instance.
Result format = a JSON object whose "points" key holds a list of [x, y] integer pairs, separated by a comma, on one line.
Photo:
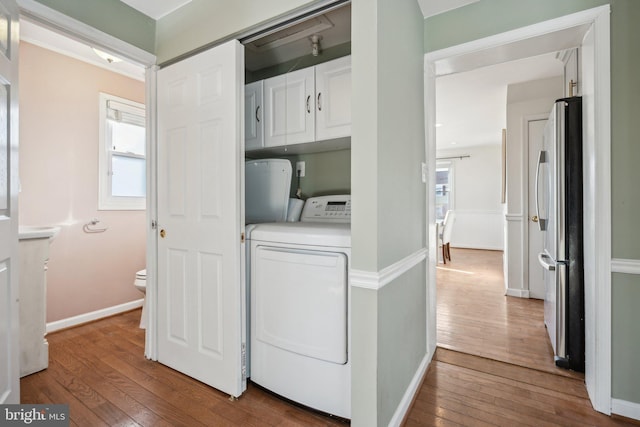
{"points": [[327, 209]]}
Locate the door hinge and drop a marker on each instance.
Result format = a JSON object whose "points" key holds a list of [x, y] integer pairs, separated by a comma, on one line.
{"points": [[154, 224], [242, 237]]}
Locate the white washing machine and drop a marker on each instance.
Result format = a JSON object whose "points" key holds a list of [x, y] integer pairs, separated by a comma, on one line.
{"points": [[300, 311]]}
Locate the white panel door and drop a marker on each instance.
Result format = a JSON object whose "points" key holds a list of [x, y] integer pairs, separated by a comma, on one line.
{"points": [[201, 326], [333, 99], [9, 304], [535, 131], [289, 108]]}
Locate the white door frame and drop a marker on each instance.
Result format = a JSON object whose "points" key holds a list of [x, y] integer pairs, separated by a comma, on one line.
{"points": [[598, 298]]}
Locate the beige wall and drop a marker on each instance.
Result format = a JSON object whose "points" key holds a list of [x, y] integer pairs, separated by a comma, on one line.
{"points": [[59, 183]]}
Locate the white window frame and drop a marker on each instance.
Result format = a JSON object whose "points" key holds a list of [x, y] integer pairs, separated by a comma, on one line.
{"points": [[441, 164], [105, 200]]}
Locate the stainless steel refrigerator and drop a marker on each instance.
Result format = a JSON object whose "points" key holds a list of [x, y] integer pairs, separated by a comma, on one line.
{"points": [[559, 208]]}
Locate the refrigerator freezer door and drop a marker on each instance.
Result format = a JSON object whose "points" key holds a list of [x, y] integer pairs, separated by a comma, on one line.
{"points": [[555, 279]]}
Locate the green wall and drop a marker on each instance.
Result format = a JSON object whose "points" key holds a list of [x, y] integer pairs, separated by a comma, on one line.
{"points": [[489, 17], [389, 199], [325, 173], [112, 17], [328, 54]]}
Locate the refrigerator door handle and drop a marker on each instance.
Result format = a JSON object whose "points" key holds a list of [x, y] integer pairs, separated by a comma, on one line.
{"points": [[542, 222], [542, 259]]}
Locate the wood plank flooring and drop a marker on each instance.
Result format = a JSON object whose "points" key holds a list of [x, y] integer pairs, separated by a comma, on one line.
{"points": [[494, 363], [492, 368], [99, 369], [475, 317]]}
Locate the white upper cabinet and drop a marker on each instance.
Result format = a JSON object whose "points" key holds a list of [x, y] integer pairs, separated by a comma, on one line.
{"points": [[333, 99], [253, 116], [312, 104], [289, 110]]}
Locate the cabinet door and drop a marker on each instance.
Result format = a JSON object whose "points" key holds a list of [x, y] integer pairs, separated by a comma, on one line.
{"points": [[253, 111], [333, 99], [289, 113]]}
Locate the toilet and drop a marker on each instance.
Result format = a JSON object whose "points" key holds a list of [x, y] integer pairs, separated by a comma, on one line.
{"points": [[141, 284]]}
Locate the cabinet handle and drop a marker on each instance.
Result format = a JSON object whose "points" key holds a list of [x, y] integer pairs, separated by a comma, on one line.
{"points": [[308, 108], [258, 114], [319, 102]]}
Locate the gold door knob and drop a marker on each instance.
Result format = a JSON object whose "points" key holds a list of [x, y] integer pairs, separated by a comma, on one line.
{"points": [[163, 233], [534, 218]]}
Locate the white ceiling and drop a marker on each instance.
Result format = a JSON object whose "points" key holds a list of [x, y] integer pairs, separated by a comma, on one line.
{"points": [[472, 106], [156, 9]]}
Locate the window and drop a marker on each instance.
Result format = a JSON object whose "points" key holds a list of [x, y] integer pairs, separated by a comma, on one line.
{"points": [[444, 189], [122, 160]]}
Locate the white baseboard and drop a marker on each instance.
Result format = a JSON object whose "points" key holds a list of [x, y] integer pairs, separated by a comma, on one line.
{"points": [[474, 246], [625, 409], [520, 293], [94, 315], [407, 399]]}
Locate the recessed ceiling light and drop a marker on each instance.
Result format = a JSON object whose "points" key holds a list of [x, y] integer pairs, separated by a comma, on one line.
{"points": [[453, 143]]}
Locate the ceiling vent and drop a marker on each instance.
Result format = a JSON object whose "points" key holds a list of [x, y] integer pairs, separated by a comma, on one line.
{"points": [[299, 31]]}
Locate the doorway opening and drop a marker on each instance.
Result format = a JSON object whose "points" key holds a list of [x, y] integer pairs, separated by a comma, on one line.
{"points": [[590, 30], [95, 256]]}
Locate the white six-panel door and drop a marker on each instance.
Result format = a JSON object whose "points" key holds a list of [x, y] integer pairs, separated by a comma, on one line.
{"points": [[9, 298], [201, 217]]}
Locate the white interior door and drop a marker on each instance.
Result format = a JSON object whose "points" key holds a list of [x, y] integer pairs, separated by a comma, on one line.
{"points": [[201, 325], [535, 131], [9, 289]]}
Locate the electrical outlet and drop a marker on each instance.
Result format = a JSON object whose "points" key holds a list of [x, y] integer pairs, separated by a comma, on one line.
{"points": [[300, 169]]}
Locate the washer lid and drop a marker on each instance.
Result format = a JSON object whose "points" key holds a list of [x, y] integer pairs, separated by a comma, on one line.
{"points": [[304, 233]]}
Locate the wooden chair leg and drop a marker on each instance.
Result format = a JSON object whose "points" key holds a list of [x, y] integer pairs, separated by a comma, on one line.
{"points": [[449, 251], [444, 256]]}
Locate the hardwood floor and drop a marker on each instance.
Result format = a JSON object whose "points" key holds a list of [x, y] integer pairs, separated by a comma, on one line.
{"points": [[475, 317], [100, 371], [494, 364], [492, 368]]}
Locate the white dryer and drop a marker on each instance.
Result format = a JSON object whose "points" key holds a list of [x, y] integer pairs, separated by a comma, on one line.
{"points": [[300, 306]]}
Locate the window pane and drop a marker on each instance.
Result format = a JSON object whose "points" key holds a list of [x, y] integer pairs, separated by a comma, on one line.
{"points": [[129, 177], [127, 138], [443, 192]]}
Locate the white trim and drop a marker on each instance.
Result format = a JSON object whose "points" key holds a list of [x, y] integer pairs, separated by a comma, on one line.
{"points": [[541, 28], [84, 33], [412, 390], [479, 247], [599, 385], [519, 293], [513, 217], [625, 409], [377, 280], [627, 266], [150, 344], [598, 377], [94, 315]]}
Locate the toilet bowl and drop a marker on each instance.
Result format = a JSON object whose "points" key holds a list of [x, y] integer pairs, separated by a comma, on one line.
{"points": [[141, 284]]}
